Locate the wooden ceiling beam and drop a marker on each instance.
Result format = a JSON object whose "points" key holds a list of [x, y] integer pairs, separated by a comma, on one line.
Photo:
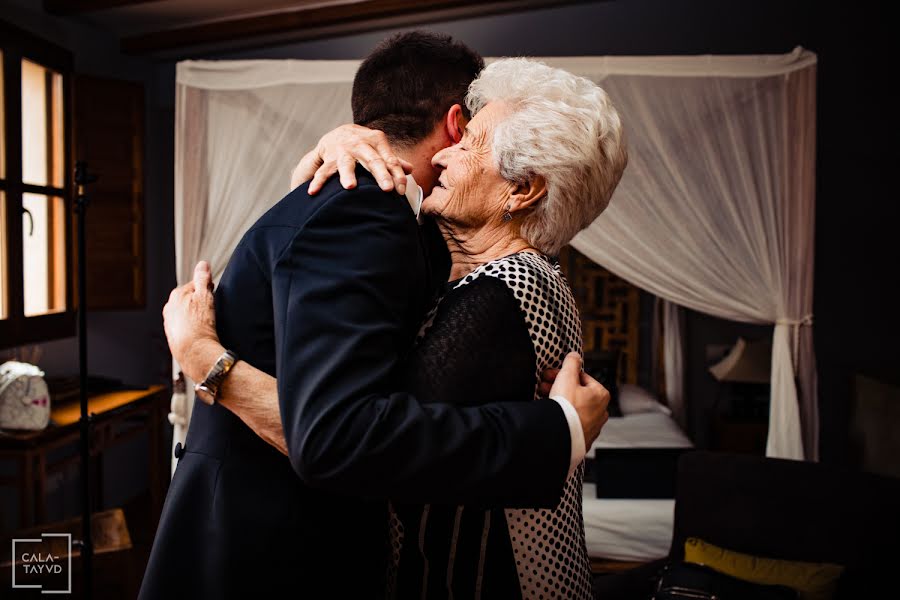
{"points": [[76, 7], [319, 21]]}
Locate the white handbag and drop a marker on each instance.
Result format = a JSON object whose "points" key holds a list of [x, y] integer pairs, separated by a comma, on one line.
{"points": [[24, 398]]}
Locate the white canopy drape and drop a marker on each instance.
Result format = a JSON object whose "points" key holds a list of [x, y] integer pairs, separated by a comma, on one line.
{"points": [[715, 211]]}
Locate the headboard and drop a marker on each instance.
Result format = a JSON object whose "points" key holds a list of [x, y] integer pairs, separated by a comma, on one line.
{"points": [[609, 308]]}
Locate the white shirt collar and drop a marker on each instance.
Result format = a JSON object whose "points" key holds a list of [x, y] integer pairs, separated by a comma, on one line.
{"points": [[414, 196]]}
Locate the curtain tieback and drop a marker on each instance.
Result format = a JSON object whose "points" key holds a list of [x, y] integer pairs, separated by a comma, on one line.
{"points": [[178, 405], [796, 324]]}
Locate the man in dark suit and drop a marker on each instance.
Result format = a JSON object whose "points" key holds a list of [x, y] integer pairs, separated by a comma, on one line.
{"points": [[328, 292]]}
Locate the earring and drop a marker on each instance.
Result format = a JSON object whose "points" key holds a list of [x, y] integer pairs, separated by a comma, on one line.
{"points": [[507, 216]]}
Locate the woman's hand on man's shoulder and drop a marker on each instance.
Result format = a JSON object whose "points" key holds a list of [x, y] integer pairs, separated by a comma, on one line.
{"points": [[341, 149]]}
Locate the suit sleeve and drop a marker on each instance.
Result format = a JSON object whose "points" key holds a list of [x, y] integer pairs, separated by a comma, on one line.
{"points": [[341, 294]]}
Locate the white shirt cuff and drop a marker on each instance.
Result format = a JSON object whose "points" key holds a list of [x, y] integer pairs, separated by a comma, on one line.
{"points": [[576, 432]]}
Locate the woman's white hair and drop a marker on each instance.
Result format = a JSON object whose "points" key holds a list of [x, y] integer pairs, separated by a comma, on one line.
{"points": [[561, 127]]}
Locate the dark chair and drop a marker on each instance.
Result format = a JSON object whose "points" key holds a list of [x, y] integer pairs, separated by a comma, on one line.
{"points": [[782, 509]]}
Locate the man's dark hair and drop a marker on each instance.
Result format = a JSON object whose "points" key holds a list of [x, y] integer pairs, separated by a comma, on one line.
{"points": [[410, 81]]}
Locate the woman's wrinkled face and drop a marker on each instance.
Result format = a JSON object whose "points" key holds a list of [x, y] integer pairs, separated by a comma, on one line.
{"points": [[470, 191]]}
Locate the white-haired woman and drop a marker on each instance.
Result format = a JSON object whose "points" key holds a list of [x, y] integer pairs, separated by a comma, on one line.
{"points": [[537, 163]]}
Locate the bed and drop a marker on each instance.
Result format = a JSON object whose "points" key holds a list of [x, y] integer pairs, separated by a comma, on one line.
{"points": [[629, 481], [627, 529]]}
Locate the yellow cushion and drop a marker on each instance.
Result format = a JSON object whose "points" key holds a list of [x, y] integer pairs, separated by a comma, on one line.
{"points": [[813, 581]]}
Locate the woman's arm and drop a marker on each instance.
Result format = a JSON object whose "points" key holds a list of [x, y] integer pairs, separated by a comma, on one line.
{"points": [[252, 395], [476, 350], [190, 324]]}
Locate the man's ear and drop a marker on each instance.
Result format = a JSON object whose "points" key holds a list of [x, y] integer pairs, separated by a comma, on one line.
{"points": [[455, 123], [526, 195]]}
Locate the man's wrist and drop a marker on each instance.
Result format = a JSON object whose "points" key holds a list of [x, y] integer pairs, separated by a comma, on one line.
{"points": [[576, 432]]}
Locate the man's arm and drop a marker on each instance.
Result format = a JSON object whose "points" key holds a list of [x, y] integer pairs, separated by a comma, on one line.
{"points": [[252, 394], [339, 324]]}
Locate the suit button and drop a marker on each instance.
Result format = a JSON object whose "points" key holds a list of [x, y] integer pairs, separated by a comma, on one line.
{"points": [[179, 450]]}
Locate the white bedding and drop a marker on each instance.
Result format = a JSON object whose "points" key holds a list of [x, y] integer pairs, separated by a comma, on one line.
{"points": [[632, 530], [642, 430]]}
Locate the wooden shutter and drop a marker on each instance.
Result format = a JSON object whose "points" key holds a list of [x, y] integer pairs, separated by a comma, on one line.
{"points": [[108, 134]]}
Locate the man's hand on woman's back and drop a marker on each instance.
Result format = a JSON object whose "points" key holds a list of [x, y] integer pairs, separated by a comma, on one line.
{"points": [[586, 394]]}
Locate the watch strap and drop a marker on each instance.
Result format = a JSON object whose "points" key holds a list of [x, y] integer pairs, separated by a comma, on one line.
{"points": [[208, 389]]}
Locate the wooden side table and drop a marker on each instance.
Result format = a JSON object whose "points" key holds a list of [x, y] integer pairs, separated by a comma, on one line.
{"points": [[116, 417]]}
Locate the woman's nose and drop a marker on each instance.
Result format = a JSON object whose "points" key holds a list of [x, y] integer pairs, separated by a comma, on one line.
{"points": [[440, 159]]}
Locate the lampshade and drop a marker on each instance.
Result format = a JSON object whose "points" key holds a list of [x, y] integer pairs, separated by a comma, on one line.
{"points": [[746, 362]]}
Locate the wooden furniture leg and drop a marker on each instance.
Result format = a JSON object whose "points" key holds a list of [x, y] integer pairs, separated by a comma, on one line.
{"points": [[40, 489], [27, 496]]}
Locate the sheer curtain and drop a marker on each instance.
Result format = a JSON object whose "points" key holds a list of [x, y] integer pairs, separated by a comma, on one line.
{"points": [[715, 211], [673, 361]]}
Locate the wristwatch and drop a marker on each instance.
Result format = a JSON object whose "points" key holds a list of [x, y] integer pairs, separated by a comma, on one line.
{"points": [[208, 389]]}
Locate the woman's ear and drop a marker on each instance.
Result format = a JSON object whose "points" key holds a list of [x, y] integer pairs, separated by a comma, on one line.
{"points": [[455, 123], [526, 195]]}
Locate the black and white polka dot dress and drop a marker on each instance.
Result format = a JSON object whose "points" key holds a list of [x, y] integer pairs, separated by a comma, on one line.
{"points": [[493, 333]]}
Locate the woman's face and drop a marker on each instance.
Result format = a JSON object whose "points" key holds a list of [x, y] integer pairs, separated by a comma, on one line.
{"points": [[469, 190]]}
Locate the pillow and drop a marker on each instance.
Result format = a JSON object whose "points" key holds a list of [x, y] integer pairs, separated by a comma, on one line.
{"points": [[634, 399], [813, 581], [603, 365]]}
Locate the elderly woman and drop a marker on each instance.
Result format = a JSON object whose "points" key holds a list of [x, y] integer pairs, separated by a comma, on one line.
{"points": [[537, 163]]}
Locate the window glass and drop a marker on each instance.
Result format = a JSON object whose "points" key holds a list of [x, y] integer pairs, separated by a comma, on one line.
{"points": [[43, 256], [42, 125]]}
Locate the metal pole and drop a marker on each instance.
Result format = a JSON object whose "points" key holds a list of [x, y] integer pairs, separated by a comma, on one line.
{"points": [[82, 178]]}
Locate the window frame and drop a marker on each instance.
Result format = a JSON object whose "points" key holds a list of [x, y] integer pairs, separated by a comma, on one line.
{"points": [[17, 329]]}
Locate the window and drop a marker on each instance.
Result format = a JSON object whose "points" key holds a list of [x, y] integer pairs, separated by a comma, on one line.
{"points": [[35, 204]]}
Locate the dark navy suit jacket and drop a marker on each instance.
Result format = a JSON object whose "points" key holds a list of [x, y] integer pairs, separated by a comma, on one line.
{"points": [[327, 293]]}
